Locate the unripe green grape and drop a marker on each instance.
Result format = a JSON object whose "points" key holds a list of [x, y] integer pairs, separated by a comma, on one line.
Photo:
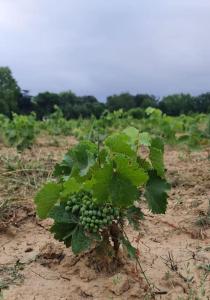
{"points": [[75, 208], [67, 208], [105, 211]]}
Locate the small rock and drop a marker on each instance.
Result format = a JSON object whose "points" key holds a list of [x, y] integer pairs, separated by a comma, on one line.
{"points": [[87, 274], [51, 251], [29, 249], [70, 261], [118, 284], [11, 230]]}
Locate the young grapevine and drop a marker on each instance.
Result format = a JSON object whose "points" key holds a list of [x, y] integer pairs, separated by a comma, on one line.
{"points": [[98, 187]]}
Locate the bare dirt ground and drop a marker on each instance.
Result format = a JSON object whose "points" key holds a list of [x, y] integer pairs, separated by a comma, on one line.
{"points": [[174, 248]]}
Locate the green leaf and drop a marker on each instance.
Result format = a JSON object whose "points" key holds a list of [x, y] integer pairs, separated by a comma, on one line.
{"points": [[133, 135], [120, 143], [80, 242], [84, 157], [134, 215], [156, 156], [130, 249], [121, 191], [60, 215], [145, 139], [143, 163], [64, 168], [101, 183], [46, 199], [156, 193], [130, 169], [62, 230], [118, 185], [70, 186]]}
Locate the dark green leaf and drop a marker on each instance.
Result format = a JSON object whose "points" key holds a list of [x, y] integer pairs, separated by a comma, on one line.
{"points": [[122, 192], [156, 193], [59, 215], [46, 198], [129, 168], [156, 156], [61, 230], [120, 143], [134, 215], [80, 242]]}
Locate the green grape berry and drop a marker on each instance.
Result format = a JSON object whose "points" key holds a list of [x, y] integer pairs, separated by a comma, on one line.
{"points": [[75, 208], [67, 208]]}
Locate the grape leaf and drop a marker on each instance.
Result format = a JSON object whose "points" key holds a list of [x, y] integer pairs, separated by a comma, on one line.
{"points": [[46, 198], [130, 169], [143, 163], [70, 186], [59, 215], [64, 168], [145, 139], [133, 135], [120, 143], [84, 157], [61, 231], [118, 185], [134, 215], [101, 183], [156, 193], [156, 156], [121, 191], [80, 242]]}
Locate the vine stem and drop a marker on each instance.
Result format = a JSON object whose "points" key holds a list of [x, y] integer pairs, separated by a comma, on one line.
{"points": [[159, 292], [138, 262]]}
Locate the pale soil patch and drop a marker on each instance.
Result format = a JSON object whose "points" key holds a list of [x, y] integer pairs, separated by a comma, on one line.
{"points": [[174, 251]]}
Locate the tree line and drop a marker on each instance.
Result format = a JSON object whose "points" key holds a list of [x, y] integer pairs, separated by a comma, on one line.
{"points": [[13, 99]]}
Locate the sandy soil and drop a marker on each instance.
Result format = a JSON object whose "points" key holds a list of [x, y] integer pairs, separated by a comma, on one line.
{"points": [[174, 250]]}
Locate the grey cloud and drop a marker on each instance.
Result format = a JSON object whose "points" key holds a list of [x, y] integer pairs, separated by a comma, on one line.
{"points": [[103, 47]]}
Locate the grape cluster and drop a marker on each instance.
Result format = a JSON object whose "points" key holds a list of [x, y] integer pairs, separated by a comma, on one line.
{"points": [[94, 218], [91, 216], [74, 203]]}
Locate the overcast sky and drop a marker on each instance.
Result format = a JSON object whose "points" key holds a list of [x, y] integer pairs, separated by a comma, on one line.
{"points": [[102, 47]]}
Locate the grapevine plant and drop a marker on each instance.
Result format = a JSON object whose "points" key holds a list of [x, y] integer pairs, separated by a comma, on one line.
{"points": [[98, 189]]}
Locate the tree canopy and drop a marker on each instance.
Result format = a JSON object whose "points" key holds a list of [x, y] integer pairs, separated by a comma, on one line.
{"points": [[12, 99], [9, 92]]}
